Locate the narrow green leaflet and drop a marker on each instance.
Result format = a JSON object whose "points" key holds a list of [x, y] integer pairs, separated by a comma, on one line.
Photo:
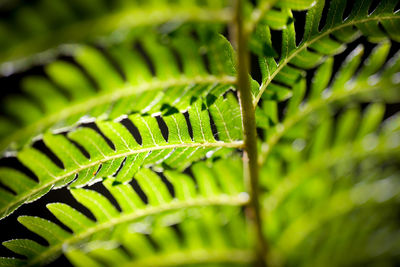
{"points": [[296, 4]]}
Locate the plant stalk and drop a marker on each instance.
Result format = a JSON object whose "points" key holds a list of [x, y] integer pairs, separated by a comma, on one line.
{"points": [[250, 160]]}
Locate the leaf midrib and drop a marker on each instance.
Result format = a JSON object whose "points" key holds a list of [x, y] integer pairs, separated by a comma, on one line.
{"points": [[109, 97], [222, 200], [306, 44], [233, 144]]}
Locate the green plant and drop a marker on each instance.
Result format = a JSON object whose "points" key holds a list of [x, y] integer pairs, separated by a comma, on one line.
{"points": [[205, 164]]}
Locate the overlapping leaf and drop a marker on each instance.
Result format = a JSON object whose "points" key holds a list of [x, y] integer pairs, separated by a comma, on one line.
{"points": [[333, 182], [333, 164], [87, 157], [95, 88], [325, 176], [208, 188]]}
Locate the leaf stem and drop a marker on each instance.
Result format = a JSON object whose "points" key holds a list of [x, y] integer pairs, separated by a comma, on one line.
{"points": [[249, 131]]}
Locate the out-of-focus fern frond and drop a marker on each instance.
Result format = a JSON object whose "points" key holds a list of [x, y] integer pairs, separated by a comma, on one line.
{"points": [[209, 188], [95, 88], [206, 236], [326, 171], [30, 29]]}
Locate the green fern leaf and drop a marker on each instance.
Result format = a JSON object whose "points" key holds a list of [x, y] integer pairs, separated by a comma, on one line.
{"points": [[214, 247], [114, 96], [345, 31], [324, 160], [160, 204], [349, 83], [178, 150]]}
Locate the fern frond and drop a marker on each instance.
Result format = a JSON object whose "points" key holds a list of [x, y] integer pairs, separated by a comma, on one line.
{"points": [[321, 148], [316, 44], [333, 169], [204, 239], [373, 81], [327, 166], [206, 236], [33, 33], [383, 191], [69, 95], [128, 152], [213, 190], [350, 205]]}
